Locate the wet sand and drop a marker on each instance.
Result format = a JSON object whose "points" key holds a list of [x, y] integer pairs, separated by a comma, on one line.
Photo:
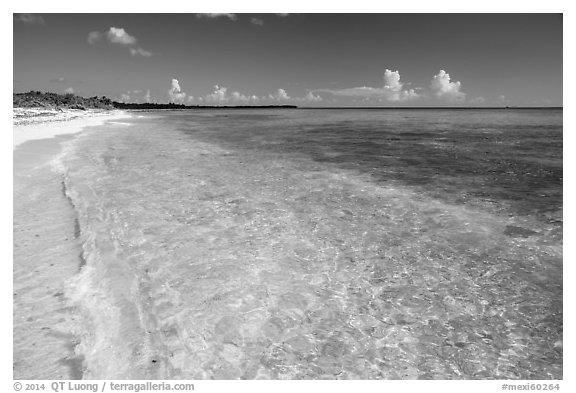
{"points": [[46, 253], [43, 326]]}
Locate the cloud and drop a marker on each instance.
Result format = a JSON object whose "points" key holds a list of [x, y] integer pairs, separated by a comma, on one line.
{"points": [[477, 101], [221, 96], [256, 21], [140, 52], [239, 98], [58, 80], [175, 93], [118, 35], [31, 19], [443, 88], [94, 36], [280, 95], [363, 91], [394, 87], [213, 16], [69, 91], [136, 95], [218, 96], [392, 80], [391, 91], [310, 97]]}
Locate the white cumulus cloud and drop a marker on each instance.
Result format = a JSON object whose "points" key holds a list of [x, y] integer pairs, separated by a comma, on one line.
{"points": [[118, 35], [393, 90], [392, 80], [218, 96], [280, 95], [393, 85], [444, 88], [238, 97], [147, 96], [175, 93], [69, 91], [221, 96]]}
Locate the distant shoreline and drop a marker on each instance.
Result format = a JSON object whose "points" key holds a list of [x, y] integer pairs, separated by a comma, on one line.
{"points": [[161, 107], [63, 102], [171, 108], [148, 106]]}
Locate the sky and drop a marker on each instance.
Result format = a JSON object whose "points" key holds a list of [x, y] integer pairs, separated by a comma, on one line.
{"points": [[303, 59]]}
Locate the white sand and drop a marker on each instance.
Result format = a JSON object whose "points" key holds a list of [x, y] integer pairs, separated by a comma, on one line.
{"points": [[69, 122]]}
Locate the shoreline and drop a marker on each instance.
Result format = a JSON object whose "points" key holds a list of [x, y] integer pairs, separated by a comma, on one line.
{"points": [[47, 249], [38, 123], [45, 256]]}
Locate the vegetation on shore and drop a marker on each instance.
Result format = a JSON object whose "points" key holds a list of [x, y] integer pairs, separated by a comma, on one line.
{"points": [[37, 99]]}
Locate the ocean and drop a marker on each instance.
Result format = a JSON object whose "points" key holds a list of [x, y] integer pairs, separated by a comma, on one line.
{"points": [[298, 244]]}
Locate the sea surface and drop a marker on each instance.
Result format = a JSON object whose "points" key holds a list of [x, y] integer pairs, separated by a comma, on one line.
{"points": [[303, 244]]}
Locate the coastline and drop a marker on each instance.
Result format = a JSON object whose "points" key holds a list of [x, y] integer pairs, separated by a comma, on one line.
{"points": [[37, 123], [47, 249]]}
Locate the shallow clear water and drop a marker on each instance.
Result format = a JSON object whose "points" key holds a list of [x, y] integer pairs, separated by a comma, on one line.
{"points": [[320, 244]]}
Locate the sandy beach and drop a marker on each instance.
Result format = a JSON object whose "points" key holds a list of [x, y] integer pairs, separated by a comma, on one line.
{"points": [[34, 123], [44, 325]]}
